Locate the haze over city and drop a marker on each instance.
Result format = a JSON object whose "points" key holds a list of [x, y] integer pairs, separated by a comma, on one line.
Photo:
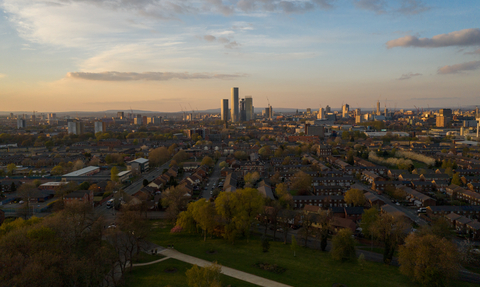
{"points": [[90, 55]]}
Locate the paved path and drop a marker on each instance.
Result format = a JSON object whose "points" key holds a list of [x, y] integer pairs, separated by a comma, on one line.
{"points": [[150, 263], [260, 281]]}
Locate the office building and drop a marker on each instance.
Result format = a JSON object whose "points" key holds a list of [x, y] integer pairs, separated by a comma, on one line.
{"points": [[314, 130], [444, 117], [320, 114], [137, 120], [328, 109], [269, 112], [154, 120], [378, 113], [120, 115], [235, 117], [21, 124], [249, 108], [100, 127], [243, 112], [345, 111], [224, 110]]}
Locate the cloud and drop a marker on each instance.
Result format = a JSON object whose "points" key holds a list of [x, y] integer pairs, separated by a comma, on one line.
{"points": [[209, 38], [412, 7], [112, 76], [232, 45], [476, 52], [408, 76], [466, 37], [2, 76], [228, 44], [377, 6], [405, 7], [458, 68]]}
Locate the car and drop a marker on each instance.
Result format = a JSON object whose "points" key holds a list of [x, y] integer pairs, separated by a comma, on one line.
{"points": [[422, 210], [21, 202]]}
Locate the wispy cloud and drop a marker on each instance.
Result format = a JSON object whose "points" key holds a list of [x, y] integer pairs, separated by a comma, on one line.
{"points": [[476, 52], [405, 7], [467, 37], [111, 76], [408, 76], [228, 43], [458, 68], [434, 99]]}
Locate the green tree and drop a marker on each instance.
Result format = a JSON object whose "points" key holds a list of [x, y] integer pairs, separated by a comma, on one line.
{"points": [[391, 231], [223, 164], [355, 197], [159, 156], [429, 260], [84, 186], [456, 179], [207, 161], [294, 245], [145, 182], [301, 182], [11, 167], [204, 214], [343, 245], [208, 276], [368, 218], [114, 174]]}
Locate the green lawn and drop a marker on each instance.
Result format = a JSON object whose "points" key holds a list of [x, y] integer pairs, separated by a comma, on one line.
{"points": [[155, 276], [308, 268]]}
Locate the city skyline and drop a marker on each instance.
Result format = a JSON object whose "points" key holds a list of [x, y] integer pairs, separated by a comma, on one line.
{"points": [[91, 56]]}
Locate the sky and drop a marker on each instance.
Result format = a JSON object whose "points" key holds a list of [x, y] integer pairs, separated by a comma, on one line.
{"points": [[169, 55]]}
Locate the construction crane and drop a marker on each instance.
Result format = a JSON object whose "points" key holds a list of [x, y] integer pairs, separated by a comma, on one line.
{"points": [[268, 101]]}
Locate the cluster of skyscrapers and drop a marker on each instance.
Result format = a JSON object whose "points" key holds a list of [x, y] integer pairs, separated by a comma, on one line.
{"points": [[239, 111]]}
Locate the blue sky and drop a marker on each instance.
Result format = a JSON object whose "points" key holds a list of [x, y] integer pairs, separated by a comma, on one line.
{"points": [[61, 55]]}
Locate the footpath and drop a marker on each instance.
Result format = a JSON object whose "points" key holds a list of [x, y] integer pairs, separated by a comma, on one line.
{"points": [[254, 279]]}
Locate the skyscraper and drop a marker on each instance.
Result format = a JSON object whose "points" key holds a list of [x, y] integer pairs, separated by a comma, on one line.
{"points": [[100, 127], [328, 109], [248, 108], [345, 110], [243, 112], [320, 114], [235, 115], [378, 109], [224, 110]]}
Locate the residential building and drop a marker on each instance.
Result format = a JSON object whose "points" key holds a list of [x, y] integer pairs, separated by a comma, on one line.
{"points": [[224, 110], [100, 127], [235, 117]]}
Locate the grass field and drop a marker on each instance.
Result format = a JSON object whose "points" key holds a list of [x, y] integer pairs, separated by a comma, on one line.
{"points": [[308, 268], [155, 276]]}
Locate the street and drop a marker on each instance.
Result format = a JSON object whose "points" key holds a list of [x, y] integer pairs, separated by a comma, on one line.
{"points": [[215, 176]]}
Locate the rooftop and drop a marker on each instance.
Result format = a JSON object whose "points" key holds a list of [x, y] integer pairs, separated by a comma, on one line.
{"points": [[82, 171]]}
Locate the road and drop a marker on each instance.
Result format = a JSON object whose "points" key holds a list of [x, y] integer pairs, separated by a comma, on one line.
{"points": [[110, 214], [214, 177], [409, 212]]}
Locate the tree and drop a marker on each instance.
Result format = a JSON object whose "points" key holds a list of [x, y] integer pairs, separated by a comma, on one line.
{"points": [[324, 226], [391, 231], [84, 186], [361, 261], [355, 197], [456, 179], [11, 167], [175, 200], [429, 260], [135, 228], [207, 161], [208, 276], [180, 156], [145, 182], [343, 245], [158, 156], [284, 197], [204, 215], [265, 151], [13, 187], [265, 244], [368, 218], [223, 164], [294, 245], [301, 182], [286, 160], [308, 220], [114, 174], [251, 178], [78, 164], [27, 192]]}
